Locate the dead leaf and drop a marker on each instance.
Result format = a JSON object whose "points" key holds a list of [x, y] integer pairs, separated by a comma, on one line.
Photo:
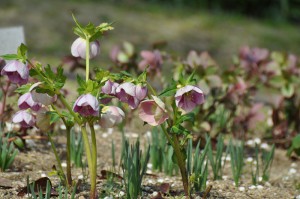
{"points": [[106, 174], [40, 184], [165, 187]]}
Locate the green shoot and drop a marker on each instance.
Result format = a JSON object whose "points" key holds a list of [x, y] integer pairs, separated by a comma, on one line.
{"points": [[237, 160]]}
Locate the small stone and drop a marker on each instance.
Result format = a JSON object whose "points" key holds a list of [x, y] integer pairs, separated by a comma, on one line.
{"points": [[250, 143], [147, 188], [155, 193], [121, 193], [257, 140], [104, 135], [198, 197], [80, 177], [149, 166], [81, 197], [242, 189], [108, 197], [64, 164], [150, 181], [249, 159], [252, 187], [294, 164], [264, 146], [292, 171], [110, 131], [43, 175], [224, 177], [260, 179], [49, 143], [228, 158], [268, 184], [160, 180], [260, 187]]}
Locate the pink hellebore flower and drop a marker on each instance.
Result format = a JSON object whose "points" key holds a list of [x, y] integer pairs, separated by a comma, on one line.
{"points": [[188, 97], [110, 87], [26, 101], [151, 59], [153, 111], [78, 48], [24, 118], [87, 105], [111, 116], [126, 92], [141, 92], [16, 71]]}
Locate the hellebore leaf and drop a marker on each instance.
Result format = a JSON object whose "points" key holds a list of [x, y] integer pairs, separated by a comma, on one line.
{"points": [[287, 90], [23, 89], [187, 117]]}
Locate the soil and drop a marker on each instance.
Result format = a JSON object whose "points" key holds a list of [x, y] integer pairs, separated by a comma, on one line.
{"points": [[38, 159]]}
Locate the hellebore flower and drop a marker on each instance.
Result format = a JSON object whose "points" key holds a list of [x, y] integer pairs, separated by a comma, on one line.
{"points": [[24, 118], [86, 105], [111, 116], [26, 101], [126, 92], [141, 92], [16, 71], [78, 48], [188, 97], [153, 111], [151, 59], [110, 87]]}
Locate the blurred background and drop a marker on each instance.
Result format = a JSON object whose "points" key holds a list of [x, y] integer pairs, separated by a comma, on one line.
{"points": [[220, 27]]}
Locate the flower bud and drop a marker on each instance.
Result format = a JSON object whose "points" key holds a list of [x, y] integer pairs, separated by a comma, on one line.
{"points": [[141, 92], [111, 116], [78, 48]]}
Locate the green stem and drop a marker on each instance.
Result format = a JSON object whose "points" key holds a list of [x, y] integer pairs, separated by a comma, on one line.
{"points": [[94, 156], [61, 171], [87, 59], [69, 175], [182, 165], [180, 159], [89, 159]]}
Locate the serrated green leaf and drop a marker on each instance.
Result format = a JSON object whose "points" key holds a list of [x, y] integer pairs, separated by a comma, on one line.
{"points": [[23, 89], [22, 50]]}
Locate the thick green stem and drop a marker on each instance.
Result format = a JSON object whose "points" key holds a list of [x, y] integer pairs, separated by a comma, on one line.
{"points": [[69, 175], [89, 160], [182, 165], [180, 160], [61, 171], [87, 59], [94, 156]]}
